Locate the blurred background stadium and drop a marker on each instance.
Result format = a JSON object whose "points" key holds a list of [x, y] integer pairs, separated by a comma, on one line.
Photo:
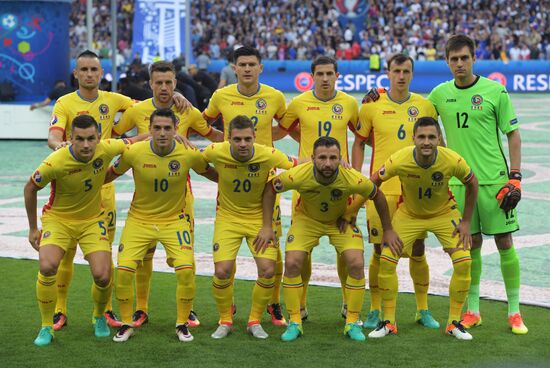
{"points": [[39, 40]]}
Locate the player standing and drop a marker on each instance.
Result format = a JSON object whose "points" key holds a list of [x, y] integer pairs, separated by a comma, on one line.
{"points": [[74, 214], [474, 111], [262, 104], [157, 214], [163, 84], [324, 187], [388, 125], [424, 171], [322, 112]]}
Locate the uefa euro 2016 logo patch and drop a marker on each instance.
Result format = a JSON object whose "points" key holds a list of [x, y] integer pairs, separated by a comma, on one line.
{"points": [[98, 162], [46, 235], [174, 165], [54, 120], [103, 109], [374, 231], [253, 167], [337, 109], [382, 170], [278, 185], [261, 104], [215, 247], [412, 111], [335, 194], [290, 239], [37, 177], [477, 100], [120, 247]]}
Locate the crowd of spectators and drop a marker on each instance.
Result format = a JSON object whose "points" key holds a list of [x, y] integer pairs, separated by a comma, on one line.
{"points": [[303, 29]]}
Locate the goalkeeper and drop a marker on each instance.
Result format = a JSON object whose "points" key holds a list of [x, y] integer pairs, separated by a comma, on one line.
{"points": [[475, 111]]}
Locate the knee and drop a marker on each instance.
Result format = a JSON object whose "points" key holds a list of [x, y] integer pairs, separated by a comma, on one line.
{"points": [[103, 279], [418, 248], [504, 241], [266, 272], [292, 267], [48, 268], [477, 241], [356, 269], [223, 273]]}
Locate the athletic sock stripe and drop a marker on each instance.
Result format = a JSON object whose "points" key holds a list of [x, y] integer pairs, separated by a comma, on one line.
{"points": [[217, 286], [47, 283], [389, 259], [265, 286], [127, 269], [355, 287], [301, 284], [462, 259], [183, 267]]}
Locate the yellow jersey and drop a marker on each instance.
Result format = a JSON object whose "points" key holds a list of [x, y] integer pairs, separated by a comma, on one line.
{"points": [[160, 181], [103, 109], [262, 107], [322, 118], [139, 115], [426, 189], [241, 184], [390, 124], [324, 203], [76, 185]]}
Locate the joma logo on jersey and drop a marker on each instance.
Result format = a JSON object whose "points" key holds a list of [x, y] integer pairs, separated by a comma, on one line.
{"points": [[238, 103], [230, 166], [313, 108], [388, 112], [451, 100], [149, 166], [477, 100], [83, 113], [97, 165], [74, 171]]}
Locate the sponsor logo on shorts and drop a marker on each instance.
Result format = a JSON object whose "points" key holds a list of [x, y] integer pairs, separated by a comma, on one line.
{"points": [[290, 239], [337, 109], [103, 109], [37, 176], [174, 165], [46, 235], [253, 167], [215, 247], [261, 104], [120, 247], [98, 162], [336, 194]]}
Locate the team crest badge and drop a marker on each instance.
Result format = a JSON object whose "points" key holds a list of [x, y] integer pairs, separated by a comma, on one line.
{"points": [[477, 100], [290, 239], [437, 176], [261, 104], [174, 165], [103, 109], [98, 162], [335, 194], [54, 120], [337, 109], [253, 167], [46, 235], [215, 247], [37, 176], [413, 111], [120, 247]]}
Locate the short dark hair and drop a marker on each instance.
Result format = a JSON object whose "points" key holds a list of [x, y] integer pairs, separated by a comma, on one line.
{"points": [[240, 122], [161, 67], [246, 51], [325, 142], [400, 59], [458, 41], [426, 121], [166, 113], [87, 54], [84, 122], [323, 60]]}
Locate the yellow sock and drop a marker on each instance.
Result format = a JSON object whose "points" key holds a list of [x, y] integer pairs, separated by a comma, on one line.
{"points": [[387, 281], [374, 268], [306, 275], [292, 289], [185, 291], [109, 305], [46, 295], [263, 290], [143, 282], [460, 283], [420, 274], [355, 292], [342, 275], [64, 278], [100, 296], [223, 294], [279, 266], [125, 277]]}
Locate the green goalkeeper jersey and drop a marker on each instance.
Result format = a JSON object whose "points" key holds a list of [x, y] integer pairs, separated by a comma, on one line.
{"points": [[474, 118]]}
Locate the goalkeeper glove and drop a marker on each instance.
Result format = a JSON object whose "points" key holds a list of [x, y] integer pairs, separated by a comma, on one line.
{"points": [[510, 194]]}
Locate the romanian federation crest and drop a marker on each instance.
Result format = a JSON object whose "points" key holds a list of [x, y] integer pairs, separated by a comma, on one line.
{"points": [[98, 162], [261, 104], [174, 165], [437, 176], [477, 100], [337, 109], [413, 111], [103, 109]]}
